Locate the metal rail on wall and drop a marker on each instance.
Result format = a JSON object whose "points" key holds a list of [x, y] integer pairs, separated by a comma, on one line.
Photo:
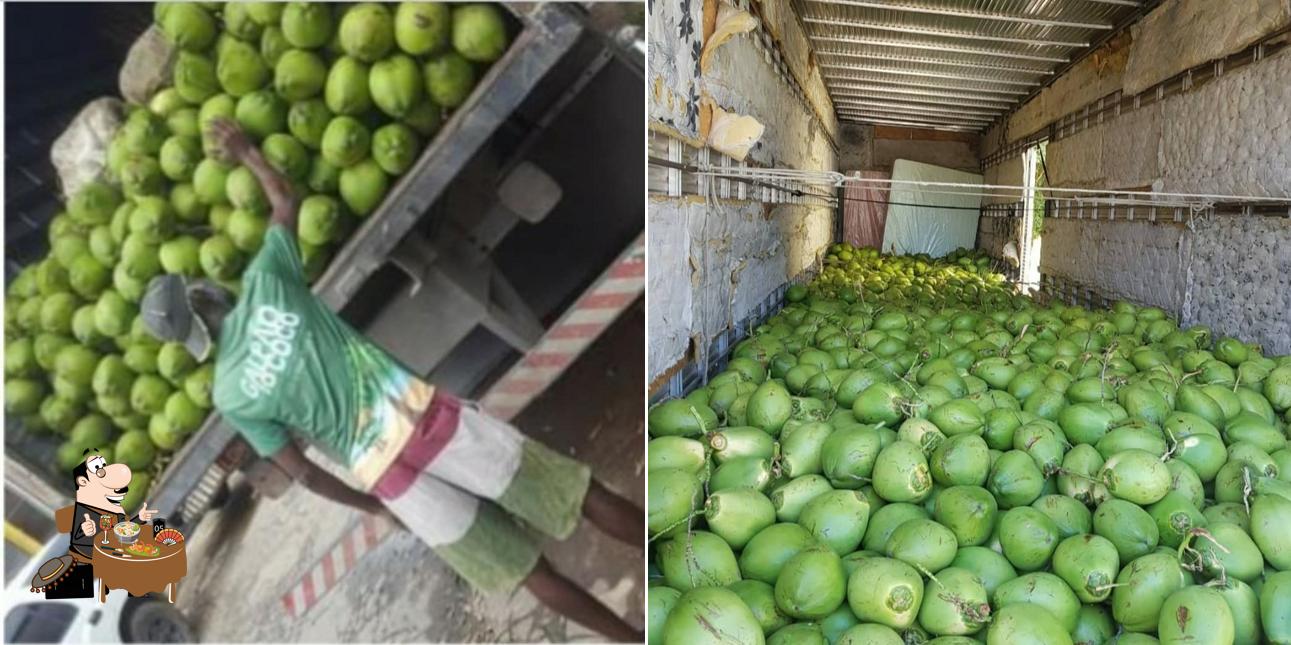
{"points": [[676, 169]]}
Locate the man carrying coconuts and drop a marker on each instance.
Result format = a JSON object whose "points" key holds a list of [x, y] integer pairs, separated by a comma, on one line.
{"points": [[474, 488]]}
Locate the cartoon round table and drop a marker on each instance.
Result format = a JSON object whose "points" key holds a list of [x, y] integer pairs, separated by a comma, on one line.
{"points": [[138, 574]]}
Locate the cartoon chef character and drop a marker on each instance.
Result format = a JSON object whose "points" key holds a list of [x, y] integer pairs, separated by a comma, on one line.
{"points": [[100, 488]]}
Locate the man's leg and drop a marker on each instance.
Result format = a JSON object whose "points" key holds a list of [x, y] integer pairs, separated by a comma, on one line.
{"points": [[616, 516], [491, 459], [568, 599]]}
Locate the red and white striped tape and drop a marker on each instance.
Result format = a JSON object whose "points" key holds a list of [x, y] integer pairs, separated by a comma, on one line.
{"points": [[572, 334], [364, 536]]}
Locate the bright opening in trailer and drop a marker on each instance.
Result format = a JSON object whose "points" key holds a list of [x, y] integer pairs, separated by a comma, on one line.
{"points": [[1031, 227]]}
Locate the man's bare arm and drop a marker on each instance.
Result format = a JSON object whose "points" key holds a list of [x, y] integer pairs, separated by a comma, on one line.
{"points": [[321, 482], [238, 148]]}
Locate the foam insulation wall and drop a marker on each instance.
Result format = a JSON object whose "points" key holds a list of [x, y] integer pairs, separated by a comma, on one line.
{"points": [[1240, 274], [1191, 31], [990, 176], [993, 138], [1233, 273], [1138, 261], [1009, 172], [785, 29], [671, 310], [1124, 152], [741, 81], [1197, 31], [710, 266], [1091, 78], [1231, 135]]}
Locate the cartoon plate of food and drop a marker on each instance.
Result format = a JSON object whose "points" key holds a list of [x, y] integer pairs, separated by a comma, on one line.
{"points": [[143, 550]]}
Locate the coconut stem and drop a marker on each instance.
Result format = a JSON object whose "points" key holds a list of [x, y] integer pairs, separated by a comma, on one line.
{"points": [[703, 427], [1222, 580], [1246, 490], [928, 573], [1174, 445], [690, 516], [1193, 559], [1203, 533], [968, 611], [1007, 350], [1071, 473], [1102, 376]]}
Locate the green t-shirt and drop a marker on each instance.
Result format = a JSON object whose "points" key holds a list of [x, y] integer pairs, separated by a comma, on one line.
{"points": [[287, 361]]}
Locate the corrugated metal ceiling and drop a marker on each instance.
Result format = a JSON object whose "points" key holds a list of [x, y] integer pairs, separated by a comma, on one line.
{"points": [[949, 64]]}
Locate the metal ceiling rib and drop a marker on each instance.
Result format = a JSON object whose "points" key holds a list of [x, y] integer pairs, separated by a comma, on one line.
{"points": [[948, 63], [851, 79], [907, 123], [970, 12], [921, 118], [844, 100], [917, 96], [901, 112], [922, 69], [965, 60], [918, 44]]}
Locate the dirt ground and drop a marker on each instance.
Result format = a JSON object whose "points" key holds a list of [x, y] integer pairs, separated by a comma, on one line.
{"points": [[244, 557]]}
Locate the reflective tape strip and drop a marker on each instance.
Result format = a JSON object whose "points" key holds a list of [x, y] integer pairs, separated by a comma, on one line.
{"points": [[309, 590], [587, 316], [334, 564], [329, 571], [615, 290]]}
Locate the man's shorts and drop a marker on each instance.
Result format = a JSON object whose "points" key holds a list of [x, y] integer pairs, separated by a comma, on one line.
{"points": [[482, 494]]}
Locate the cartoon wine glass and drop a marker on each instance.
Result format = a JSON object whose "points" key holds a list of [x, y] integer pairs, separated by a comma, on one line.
{"points": [[105, 523]]}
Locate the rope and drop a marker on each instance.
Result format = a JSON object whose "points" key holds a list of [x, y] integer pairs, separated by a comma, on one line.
{"points": [[1197, 202]]}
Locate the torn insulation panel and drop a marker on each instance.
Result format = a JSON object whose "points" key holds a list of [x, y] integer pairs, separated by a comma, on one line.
{"points": [[731, 22], [732, 134]]}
